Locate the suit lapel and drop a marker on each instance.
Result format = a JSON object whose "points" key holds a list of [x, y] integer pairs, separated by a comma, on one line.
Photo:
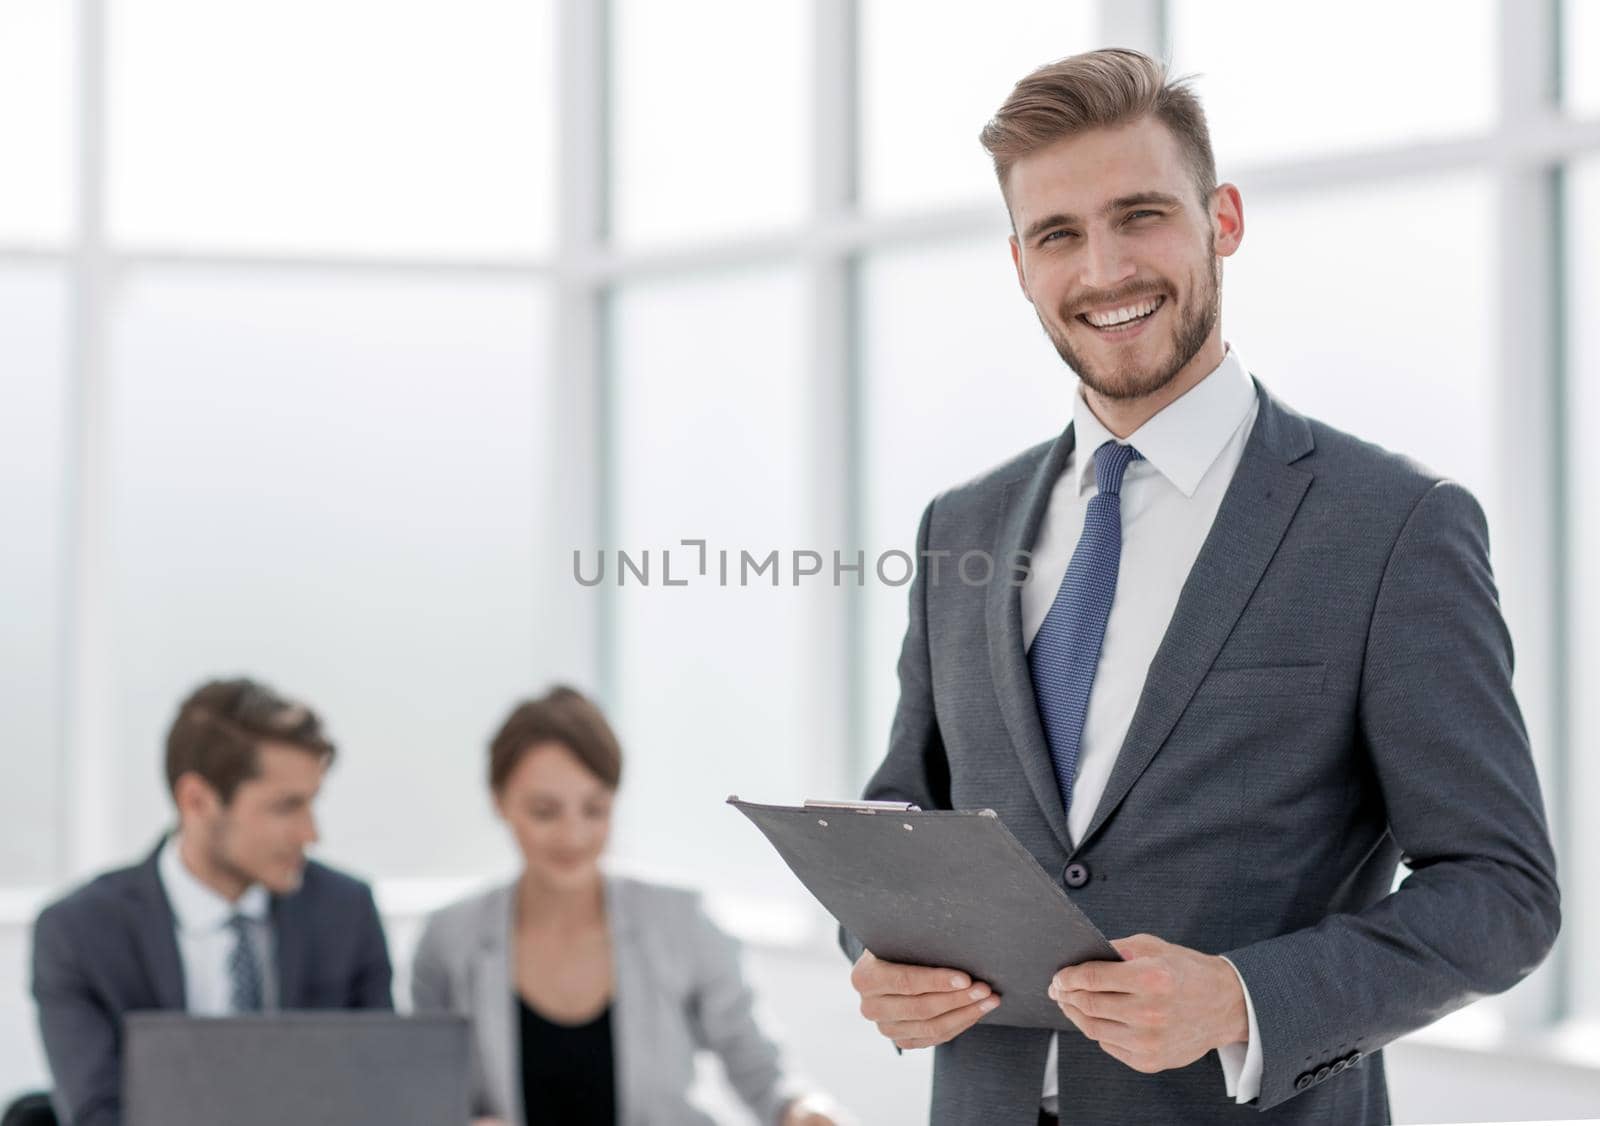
{"points": [[1023, 506], [289, 934], [1255, 513], [156, 936]]}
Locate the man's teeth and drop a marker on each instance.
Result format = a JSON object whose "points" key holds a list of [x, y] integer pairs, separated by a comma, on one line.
{"points": [[1120, 316]]}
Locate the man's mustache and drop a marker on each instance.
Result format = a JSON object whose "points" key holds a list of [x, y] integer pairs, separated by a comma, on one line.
{"points": [[1123, 296]]}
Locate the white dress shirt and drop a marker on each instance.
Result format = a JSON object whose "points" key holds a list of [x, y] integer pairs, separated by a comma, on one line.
{"points": [[204, 941], [1169, 501]]}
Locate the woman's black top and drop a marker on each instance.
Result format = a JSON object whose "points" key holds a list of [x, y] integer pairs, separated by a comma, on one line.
{"points": [[567, 1070]]}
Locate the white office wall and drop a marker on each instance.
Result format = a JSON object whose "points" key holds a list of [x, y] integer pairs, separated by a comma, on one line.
{"points": [[1582, 773], [33, 389], [332, 483], [1580, 76], [932, 74], [710, 675], [37, 103], [709, 118], [357, 126], [1426, 73]]}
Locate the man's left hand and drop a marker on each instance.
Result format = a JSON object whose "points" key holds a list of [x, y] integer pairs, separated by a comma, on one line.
{"points": [[1165, 1006]]}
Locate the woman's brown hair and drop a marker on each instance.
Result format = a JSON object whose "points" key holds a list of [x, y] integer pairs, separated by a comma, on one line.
{"points": [[562, 715]]}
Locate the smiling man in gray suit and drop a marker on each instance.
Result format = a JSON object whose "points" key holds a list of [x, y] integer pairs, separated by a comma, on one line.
{"points": [[1250, 665]]}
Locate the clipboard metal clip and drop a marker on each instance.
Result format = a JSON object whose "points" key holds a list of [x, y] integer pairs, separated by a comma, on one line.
{"points": [[864, 806]]}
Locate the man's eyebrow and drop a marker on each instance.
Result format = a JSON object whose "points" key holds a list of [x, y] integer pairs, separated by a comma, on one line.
{"points": [[1061, 219]]}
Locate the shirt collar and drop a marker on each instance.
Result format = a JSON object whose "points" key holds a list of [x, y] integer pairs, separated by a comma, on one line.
{"points": [[198, 907], [1184, 438]]}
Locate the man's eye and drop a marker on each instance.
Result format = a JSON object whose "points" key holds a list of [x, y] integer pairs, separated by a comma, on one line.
{"points": [[1140, 214], [1053, 234]]}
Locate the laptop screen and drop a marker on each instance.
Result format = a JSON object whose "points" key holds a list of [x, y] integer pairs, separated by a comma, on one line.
{"points": [[309, 1067]]}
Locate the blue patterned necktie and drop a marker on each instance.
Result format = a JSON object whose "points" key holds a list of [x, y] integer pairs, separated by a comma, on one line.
{"points": [[1066, 650], [244, 968]]}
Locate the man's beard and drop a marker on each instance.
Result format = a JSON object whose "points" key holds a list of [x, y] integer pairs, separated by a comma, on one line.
{"points": [[219, 854], [1195, 320]]}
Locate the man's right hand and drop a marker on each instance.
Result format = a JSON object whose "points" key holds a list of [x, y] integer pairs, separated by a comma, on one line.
{"points": [[918, 1006]]}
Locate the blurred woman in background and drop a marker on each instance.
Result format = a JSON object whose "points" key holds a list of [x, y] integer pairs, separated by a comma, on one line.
{"points": [[589, 993]]}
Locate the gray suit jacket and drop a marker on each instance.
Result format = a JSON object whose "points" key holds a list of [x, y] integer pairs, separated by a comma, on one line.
{"points": [[1333, 692], [678, 987], [110, 948]]}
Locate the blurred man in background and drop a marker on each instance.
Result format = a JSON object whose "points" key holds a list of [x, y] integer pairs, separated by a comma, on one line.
{"points": [[226, 916]]}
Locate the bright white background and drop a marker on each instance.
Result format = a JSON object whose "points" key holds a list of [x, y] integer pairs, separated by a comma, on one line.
{"points": [[329, 331]]}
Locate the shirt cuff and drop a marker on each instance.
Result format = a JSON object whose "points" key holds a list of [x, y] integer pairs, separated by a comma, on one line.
{"points": [[1242, 1063]]}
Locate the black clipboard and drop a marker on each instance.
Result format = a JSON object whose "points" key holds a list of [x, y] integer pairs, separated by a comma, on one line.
{"points": [[939, 888]]}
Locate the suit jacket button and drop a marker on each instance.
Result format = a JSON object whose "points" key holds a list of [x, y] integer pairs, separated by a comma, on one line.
{"points": [[1302, 1081], [1075, 875], [1339, 1065], [1324, 1071]]}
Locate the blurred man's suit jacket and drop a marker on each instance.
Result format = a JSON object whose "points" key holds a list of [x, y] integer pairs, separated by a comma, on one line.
{"points": [[111, 947]]}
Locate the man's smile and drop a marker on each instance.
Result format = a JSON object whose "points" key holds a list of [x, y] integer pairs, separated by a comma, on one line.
{"points": [[1123, 321]]}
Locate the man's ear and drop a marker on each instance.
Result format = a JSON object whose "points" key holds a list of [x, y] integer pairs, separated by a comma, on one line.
{"points": [[195, 798], [1227, 219], [1016, 260]]}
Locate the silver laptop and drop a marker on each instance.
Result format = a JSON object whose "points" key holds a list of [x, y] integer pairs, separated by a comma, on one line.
{"points": [[310, 1068]]}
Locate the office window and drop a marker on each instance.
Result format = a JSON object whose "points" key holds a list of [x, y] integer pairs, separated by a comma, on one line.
{"points": [[958, 377], [32, 457], [1278, 83], [709, 443], [1580, 62], [1373, 309], [333, 126], [710, 118], [1581, 873], [332, 484], [931, 76], [38, 108]]}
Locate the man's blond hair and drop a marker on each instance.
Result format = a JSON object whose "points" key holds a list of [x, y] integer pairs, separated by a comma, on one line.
{"points": [[1098, 90]]}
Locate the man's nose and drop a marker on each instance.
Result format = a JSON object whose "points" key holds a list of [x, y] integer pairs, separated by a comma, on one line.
{"points": [[1105, 264]]}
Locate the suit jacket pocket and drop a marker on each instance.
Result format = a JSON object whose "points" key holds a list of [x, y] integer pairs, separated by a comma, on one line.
{"points": [[1265, 680]]}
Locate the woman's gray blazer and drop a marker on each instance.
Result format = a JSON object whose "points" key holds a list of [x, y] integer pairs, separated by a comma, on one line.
{"points": [[678, 988]]}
